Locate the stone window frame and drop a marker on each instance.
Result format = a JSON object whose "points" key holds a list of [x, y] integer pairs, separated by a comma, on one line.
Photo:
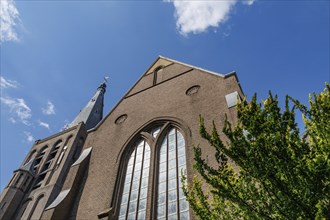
{"points": [[157, 70], [146, 133]]}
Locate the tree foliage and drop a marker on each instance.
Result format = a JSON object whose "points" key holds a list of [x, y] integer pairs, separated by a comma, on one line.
{"points": [[266, 169]]}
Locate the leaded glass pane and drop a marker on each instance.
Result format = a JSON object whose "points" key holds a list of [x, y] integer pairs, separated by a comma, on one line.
{"points": [[145, 173], [171, 164], [126, 187], [144, 182], [124, 198], [162, 176], [171, 184], [171, 208], [171, 146], [138, 158], [147, 149], [147, 155], [132, 206], [142, 204], [173, 217], [183, 205], [129, 169], [131, 216], [184, 215], [162, 167], [181, 161], [137, 166], [134, 195], [131, 160], [162, 187], [172, 173], [123, 209], [137, 175], [128, 178], [163, 149], [181, 152], [143, 193], [146, 163], [172, 195], [161, 210], [161, 198], [171, 155], [162, 158], [136, 184], [142, 215]]}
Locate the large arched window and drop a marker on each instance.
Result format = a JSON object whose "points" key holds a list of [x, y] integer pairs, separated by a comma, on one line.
{"points": [[167, 149], [134, 199]]}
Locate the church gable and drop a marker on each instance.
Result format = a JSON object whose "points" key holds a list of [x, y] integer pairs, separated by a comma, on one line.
{"points": [[163, 69]]}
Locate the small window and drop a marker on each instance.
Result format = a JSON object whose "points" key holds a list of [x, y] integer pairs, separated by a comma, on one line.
{"points": [[157, 70], [39, 158], [121, 119], [40, 180], [192, 90]]}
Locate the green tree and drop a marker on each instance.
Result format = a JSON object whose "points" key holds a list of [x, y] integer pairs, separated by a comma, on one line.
{"points": [[266, 169]]}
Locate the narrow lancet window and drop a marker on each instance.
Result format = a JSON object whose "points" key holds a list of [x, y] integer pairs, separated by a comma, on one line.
{"points": [[134, 198], [171, 203]]}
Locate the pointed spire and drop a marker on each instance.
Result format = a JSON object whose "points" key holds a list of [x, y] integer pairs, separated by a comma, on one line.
{"points": [[92, 113]]}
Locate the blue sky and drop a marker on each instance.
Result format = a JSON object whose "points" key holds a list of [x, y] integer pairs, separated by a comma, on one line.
{"points": [[54, 54]]}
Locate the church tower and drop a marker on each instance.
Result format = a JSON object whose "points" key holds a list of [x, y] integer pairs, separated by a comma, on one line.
{"points": [[40, 178]]}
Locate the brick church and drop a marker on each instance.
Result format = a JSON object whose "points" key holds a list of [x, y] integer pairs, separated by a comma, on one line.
{"points": [[128, 164]]}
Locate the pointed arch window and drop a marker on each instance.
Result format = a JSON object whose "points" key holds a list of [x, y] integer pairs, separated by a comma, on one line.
{"points": [[134, 198], [171, 203], [167, 150]]}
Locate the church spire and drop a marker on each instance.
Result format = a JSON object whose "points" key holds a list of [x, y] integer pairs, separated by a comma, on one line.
{"points": [[92, 113]]}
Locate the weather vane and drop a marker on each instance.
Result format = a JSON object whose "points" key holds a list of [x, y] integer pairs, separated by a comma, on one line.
{"points": [[106, 79]]}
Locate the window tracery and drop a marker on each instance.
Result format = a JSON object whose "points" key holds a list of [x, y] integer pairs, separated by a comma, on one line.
{"points": [[167, 149]]}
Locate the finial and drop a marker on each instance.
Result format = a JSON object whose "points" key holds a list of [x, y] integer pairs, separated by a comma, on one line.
{"points": [[106, 79], [104, 83]]}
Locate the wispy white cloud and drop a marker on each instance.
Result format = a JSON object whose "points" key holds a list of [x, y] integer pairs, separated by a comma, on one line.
{"points": [[197, 16], [44, 124], [8, 20], [28, 137], [66, 125], [19, 108], [50, 109], [6, 83], [248, 2], [12, 120]]}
